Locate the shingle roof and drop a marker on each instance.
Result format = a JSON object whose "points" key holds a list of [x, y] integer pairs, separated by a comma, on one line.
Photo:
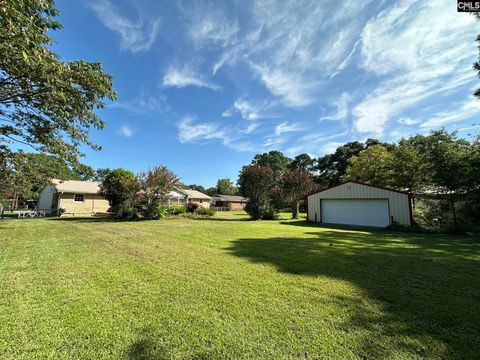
{"points": [[75, 186], [194, 194], [231, 198]]}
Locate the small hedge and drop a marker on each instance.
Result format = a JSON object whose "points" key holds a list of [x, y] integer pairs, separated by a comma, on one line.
{"points": [[164, 211], [201, 211]]}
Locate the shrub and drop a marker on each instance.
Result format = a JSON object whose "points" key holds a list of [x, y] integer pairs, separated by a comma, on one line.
{"points": [[128, 214], [162, 212], [201, 211], [191, 207], [176, 210], [270, 214]]}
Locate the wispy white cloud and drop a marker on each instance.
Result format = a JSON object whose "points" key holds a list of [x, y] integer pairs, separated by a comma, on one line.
{"points": [[285, 127], [241, 49], [144, 104], [291, 46], [330, 147], [417, 55], [208, 24], [184, 76], [273, 142], [345, 62], [458, 112], [250, 110], [341, 104], [408, 121], [251, 128], [125, 131], [135, 35], [316, 143], [287, 85], [191, 131]]}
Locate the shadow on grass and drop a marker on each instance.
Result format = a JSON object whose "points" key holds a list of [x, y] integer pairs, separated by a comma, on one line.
{"points": [[87, 219], [309, 224], [428, 286], [147, 348], [224, 219]]}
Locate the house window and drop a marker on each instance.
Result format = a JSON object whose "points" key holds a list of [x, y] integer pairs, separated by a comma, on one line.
{"points": [[79, 197]]}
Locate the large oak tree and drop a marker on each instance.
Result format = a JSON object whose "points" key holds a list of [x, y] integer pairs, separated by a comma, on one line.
{"points": [[45, 102]]}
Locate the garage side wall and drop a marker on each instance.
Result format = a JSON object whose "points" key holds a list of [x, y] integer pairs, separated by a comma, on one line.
{"points": [[46, 197], [398, 202], [92, 203]]}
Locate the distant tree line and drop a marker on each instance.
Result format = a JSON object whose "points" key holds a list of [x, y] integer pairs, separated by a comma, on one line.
{"points": [[273, 181], [23, 175], [439, 165]]}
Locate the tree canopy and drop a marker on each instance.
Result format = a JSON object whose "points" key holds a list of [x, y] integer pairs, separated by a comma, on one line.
{"points": [[332, 167], [275, 161], [373, 165], [256, 183], [119, 188], [45, 102], [302, 162], [156, 183], [226, 187], [296, 184], [23, 175]]}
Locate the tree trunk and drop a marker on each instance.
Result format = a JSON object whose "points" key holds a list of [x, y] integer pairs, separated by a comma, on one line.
{"points": [[454, 215], [13, 205], [295, 207]]}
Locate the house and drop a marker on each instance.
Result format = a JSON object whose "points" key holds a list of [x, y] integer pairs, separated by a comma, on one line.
{"points": [[232, 202], [75, 197], [355, 203], [176, 197], [185, 196]]}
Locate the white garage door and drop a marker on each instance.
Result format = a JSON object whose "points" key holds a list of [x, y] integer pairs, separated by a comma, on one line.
{"points": [[356, 212]]}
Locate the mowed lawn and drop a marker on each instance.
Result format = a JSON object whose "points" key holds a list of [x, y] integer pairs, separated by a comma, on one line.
{"points": [[231, 288]]}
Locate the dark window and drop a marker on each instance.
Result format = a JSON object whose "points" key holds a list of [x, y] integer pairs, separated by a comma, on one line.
{"points": [[79, 197]]}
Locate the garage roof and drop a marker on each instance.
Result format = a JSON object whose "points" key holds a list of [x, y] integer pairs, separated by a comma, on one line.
{"points": [[361, 183], [76, 186]]}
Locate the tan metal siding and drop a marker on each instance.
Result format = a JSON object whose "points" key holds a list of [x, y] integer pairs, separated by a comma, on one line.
{"points": [[313, 208], [398, 202], [93, 203]]}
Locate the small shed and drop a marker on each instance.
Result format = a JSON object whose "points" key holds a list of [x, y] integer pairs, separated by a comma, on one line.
{"points": [[355, 203]]}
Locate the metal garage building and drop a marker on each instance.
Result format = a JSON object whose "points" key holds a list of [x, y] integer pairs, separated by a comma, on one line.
{"points": [[354, 203]]}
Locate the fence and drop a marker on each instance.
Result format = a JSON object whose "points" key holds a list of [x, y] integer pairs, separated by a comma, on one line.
{"points": [[28, 213]]}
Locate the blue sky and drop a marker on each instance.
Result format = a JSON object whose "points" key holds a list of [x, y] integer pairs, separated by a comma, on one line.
{"points": [[204, 86]]}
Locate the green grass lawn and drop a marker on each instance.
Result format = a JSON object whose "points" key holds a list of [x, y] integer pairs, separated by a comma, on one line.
{"points": [[233, 288]]}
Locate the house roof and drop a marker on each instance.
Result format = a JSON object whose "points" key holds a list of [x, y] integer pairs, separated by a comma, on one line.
{"points": [[76, 186], [361, 183], [231, 198], [176, 194], [194, 194]]}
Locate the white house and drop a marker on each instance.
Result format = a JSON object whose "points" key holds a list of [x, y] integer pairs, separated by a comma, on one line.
{"points": [[184, 196]]}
